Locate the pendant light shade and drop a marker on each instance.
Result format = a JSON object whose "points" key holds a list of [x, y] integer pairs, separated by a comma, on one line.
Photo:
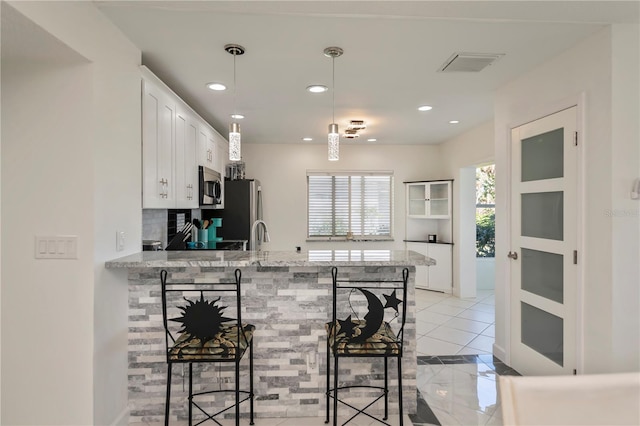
{"points": [[334, 142], [235, 137], [333, 139], [234, 142]]}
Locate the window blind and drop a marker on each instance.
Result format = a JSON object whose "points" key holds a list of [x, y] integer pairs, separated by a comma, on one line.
{"points": [[356, 202]]}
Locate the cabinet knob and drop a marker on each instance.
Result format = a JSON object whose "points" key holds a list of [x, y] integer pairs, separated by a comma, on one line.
{"points": [[512, 255]]}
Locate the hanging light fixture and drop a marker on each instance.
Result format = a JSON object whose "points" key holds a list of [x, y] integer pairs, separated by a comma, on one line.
{"points": [[234, 128], [334, 136]]}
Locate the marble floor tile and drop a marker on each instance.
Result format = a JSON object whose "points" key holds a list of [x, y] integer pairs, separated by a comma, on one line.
{"points": [[297, 421]]}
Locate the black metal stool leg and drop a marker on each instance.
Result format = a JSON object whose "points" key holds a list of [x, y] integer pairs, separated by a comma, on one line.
{"points": [[168, 399], [237, 391], [326, 420], [335, 391], [251, 382], [400, 390], [386, 389], [190, 392]]}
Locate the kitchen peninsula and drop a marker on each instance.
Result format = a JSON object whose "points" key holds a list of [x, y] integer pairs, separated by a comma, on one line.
{"points": [[287, 296]]}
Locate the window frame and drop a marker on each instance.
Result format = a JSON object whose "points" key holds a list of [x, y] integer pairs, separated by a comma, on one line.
{"points": [[352, 173]]}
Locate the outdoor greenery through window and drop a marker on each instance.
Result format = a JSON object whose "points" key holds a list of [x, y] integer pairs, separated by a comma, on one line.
{"points": [[350, 204], [486, 211]]}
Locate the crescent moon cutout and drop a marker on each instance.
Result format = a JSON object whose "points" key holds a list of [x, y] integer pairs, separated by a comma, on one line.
{"points": [[373, 319]]}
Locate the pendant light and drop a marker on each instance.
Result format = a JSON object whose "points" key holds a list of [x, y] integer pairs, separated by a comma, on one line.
{"points": [[334, 136], [234, 128]]}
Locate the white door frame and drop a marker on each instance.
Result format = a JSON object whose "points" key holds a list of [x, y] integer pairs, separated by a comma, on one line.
{"points": [[579, 101]]}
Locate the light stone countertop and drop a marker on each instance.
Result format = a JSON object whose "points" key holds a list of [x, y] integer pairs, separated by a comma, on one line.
{"points": [[228, 258]]}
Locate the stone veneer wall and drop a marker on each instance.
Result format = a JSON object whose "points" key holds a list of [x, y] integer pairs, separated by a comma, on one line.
{"points": [[289, 307]]}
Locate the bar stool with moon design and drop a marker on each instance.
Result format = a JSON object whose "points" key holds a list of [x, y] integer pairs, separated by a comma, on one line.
{"points": [[379, 334]]}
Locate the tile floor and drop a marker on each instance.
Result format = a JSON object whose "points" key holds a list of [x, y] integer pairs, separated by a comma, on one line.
{"points": [[447, 325], [457, 375]]}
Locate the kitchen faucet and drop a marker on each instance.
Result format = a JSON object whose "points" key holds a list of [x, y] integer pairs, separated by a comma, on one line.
{"points": [[254, 237]]}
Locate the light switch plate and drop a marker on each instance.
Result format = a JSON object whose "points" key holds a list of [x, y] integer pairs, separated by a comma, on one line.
{"points": [[56, 247], [120, 240]]}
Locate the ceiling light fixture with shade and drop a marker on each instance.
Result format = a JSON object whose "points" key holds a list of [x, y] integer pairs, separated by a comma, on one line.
{"points": [[234, 128], [334, 136]]}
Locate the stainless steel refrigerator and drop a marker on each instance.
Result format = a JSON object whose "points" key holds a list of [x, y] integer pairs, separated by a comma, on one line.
{"points": [[242, 207]]}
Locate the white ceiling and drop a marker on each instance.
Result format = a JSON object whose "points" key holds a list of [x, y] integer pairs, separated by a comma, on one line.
{"points": [[392, 51]]}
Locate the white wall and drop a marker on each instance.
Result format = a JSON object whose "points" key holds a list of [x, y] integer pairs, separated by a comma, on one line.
{"points": [[625, 166], [71, 135], [568, 78], [460, 157], [282, 170]]}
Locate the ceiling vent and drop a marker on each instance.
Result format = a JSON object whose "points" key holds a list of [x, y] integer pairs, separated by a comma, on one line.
{"points": [[469, 62]]}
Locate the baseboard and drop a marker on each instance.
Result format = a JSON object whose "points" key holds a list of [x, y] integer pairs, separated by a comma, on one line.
{"points": [[122, 419], [500, 353]]}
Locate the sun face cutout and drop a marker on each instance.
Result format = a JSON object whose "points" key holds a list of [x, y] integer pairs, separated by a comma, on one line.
{"points": [[202, 319]]}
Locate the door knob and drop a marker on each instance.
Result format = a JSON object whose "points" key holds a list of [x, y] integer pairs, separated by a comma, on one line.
{"points": [[513, 255]]}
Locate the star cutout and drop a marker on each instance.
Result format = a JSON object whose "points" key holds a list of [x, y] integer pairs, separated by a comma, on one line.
{"points": [[347, 326], [392, 301]]}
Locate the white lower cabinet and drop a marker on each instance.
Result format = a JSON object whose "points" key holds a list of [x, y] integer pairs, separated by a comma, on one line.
{"points": [[439, 276]]}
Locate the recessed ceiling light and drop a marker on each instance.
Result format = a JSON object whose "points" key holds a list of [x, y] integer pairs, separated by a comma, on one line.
{"points": [[237, 116], [216, 86], [372, 140], [307, 139], [454, 122], [317, 88], [425, 108]]}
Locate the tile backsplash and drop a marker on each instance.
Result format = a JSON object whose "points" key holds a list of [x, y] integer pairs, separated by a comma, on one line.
{"points": [[154, 225], [161, 224]]}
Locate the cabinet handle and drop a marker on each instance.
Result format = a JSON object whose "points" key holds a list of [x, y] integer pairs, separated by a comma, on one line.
{"points": [[165, 190]]}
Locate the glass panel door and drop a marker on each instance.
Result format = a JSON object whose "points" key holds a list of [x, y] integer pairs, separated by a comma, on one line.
{"points": [[544, 236]]}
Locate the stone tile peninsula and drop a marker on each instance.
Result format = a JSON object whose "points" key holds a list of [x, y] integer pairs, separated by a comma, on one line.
{"points": [[287, 296]]}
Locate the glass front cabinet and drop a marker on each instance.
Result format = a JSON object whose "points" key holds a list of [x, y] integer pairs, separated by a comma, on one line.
{"points": [[429, 231], [429, 200]]}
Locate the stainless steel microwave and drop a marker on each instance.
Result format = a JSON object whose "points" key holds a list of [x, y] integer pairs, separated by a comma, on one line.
{"points": [[210, 187]]}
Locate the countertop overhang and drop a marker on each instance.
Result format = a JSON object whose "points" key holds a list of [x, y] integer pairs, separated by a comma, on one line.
{"points": [[227, 258]]}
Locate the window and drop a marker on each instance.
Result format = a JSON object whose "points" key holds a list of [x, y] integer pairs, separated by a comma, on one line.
{"points": [[486, 211], [359, 203]]}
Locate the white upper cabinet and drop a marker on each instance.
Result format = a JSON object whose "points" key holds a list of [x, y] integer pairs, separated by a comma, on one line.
{"points": [[211, 146], [186, 167], [158, 121], [430, 200], [222, 156], [206, 147], [175, 140]]}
